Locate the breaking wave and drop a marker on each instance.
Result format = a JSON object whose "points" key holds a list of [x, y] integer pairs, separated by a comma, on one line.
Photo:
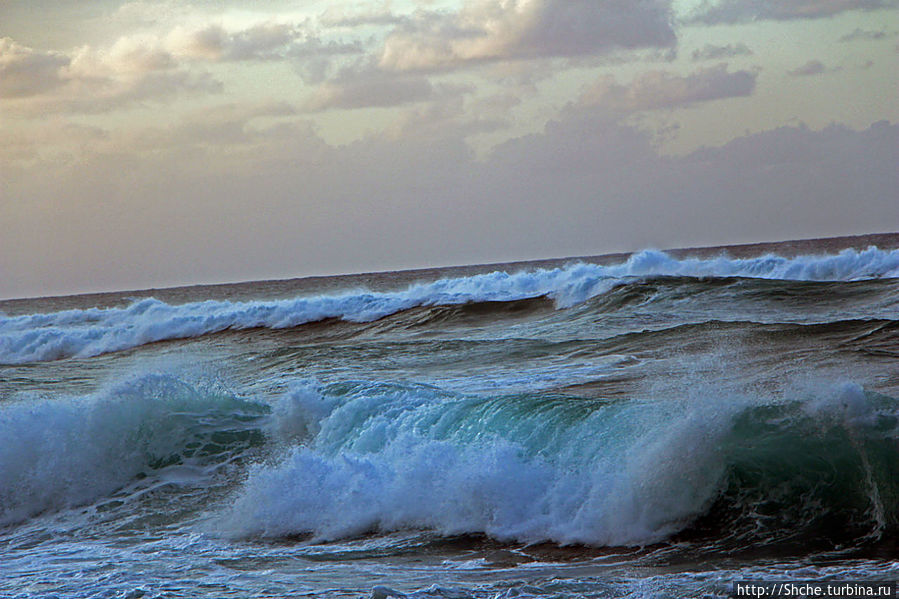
{"points": [[531, 468], [351, 458]]}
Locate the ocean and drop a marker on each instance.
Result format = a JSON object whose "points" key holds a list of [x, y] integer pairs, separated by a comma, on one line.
{"points": [[660, 424]]}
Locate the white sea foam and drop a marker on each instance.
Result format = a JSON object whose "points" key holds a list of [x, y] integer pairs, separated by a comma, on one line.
{"points": [[389, 459], [84, 333]]}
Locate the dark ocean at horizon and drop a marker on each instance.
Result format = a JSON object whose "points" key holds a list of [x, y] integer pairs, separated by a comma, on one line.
{"points": [[656, 424]]}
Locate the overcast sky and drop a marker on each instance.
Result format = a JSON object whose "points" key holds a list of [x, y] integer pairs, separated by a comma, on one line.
{"points": [[147, 144]]}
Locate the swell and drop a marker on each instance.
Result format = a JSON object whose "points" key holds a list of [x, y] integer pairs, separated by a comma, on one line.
{"points": [[550, 468], [869, 336], [90, 332], [846, 332]]}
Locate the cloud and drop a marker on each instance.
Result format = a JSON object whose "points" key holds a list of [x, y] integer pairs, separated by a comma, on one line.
{"points": [[741, 11], [264, 41], [865, 34], [314, 48], [449, 117], [369, 89], [226, 127], [500, 103], [51, 137], [812, 67], [661, 89], [811, 183], [491, 30], [286, 206], [712, 52], [145, 67], [313, 58], [128, 57], [146, 13], [335, 16], [612, 189], [91, 80], [25, 72]]}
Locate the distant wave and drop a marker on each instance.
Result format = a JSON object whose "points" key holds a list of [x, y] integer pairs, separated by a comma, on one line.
{"points": [[85, 333]]}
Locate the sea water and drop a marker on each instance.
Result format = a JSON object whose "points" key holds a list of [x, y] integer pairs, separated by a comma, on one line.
{"points": [[658, 425]]}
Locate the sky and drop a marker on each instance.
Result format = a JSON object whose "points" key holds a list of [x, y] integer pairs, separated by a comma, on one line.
{"points": [[149, 144]]}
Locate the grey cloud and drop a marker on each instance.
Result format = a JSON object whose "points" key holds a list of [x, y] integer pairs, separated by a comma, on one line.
{"points": [[314, 47], [213, 42], [810, 183], [812, 67], [224, 125], [93, 81], [446, 116], [521, 29], [101, 96], [741, 11], [661, 89], [315, 60], [264, 41], [20, 147], [336, 17], [865, 34], [712, 52], [25, 72], [261, 42], [167, 85], [586, 184], [144, 13], [577, 27], [500, 103], [369, 89]]}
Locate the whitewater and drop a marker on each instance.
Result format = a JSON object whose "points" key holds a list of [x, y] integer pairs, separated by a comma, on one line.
{"points": [[655, 425]]}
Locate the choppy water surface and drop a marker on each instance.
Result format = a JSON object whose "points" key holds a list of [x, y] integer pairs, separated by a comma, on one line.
{"points": [[657, 426]]}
